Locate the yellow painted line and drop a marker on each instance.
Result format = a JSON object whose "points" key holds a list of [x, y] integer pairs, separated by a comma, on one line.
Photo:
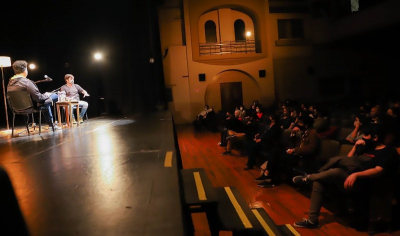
{"points": [[199, 185], [263, 223], [238, 209], [294, 232], [168, 159]]}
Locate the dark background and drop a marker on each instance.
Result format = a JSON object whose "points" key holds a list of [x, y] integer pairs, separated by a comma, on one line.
{"points": [[62, 36]]}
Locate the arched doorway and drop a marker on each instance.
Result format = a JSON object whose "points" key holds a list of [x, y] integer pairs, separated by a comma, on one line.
{"points": [[228, 87]]}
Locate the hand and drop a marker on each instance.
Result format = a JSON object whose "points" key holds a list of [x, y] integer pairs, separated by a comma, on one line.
{"points": [[47, 94], [295, 129], [86, 95], [360, 142], [290, 151], [258, 140], [256, 136], [349, 182]]}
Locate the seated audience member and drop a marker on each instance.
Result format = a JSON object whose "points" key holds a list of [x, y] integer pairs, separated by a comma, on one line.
{"points": [[359, 122], [229, 120], [263, 141], [258, 116], [19, 82], [306, 146], [322, 121], [368, 158], [236, 130], [251, 111], [374, 115], [201, 118], [242, 112], [72, 91], [391, 123], [285, 119]]}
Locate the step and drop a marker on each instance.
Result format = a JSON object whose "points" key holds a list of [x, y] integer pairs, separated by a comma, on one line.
{"points": [[235, 215], [198, 190]]}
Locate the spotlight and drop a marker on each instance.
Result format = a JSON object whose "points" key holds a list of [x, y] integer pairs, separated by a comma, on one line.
{"points": [[32, 66], [98, 56]]}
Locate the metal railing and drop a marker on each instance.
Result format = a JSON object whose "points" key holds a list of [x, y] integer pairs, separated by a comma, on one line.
{"points": [[228, 47]]}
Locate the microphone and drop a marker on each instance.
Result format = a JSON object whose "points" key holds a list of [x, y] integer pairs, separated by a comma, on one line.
{"points": [[47, 78]]}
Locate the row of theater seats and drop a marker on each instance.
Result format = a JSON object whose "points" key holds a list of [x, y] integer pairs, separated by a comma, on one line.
{"points": [[381, 190]]}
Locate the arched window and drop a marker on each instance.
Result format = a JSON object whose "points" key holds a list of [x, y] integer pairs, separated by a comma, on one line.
{"points": [[211, 32], [240, 34]]}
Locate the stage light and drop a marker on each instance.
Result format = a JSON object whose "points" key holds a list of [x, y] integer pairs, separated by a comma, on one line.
{"points": [[98, 56], [248, 34], [32, 66], [5, 62]]}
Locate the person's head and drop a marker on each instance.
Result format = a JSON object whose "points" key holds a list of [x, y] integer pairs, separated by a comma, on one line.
{"points": [[373, 135], [305, 122], [374, 113], [361, 119], [393, 111], [255, 102], [69, 79], [273, 118], [241, 108], [285, 112], [237, 113], [20, 67], [206, 107]]}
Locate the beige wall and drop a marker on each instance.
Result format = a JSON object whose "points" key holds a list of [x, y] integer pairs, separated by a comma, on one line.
{"points": [[291, 62], [250, 88]]}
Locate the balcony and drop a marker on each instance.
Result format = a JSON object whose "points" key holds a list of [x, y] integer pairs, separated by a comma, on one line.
{"points": [[228, 47]]}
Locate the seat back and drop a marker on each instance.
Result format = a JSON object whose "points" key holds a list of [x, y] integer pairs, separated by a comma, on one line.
{"points": [[344, 132], [345, 149], [20, 102], [329, 148]]}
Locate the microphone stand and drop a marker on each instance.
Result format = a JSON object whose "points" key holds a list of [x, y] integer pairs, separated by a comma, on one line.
{"points": [[43, 80], [56, 89]]}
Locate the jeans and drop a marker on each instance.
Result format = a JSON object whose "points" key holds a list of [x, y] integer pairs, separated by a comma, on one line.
{"points": [[335, 176], [83, 106], [46, 107]]}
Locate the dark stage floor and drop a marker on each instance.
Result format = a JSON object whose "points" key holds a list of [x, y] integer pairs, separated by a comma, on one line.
{"points": [[108, 176]]}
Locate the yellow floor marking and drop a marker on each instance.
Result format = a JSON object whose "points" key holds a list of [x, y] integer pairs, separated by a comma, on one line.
{"points": [[294, 232], [238, 209], [168, 159], [263, 223], [199, 185]]}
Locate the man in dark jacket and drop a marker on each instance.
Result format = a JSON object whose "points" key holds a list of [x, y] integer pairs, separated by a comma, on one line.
{"points": [[19, 82]]}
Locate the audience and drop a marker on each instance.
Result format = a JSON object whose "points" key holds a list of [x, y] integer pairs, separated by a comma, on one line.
{"points": [[368, 158]]}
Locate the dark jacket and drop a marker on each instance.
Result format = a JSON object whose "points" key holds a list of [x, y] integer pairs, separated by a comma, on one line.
{"points": [[19, 83], [309, 143]]}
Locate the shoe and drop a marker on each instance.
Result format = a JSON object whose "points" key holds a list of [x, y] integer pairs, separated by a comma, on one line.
{"points": [[306, 223], [263, 177], [266, 184], [300, 180], [230, 137], [80, 120], [222, 144], [56, 127], [248, 168], [226, 153], [73, 121]]}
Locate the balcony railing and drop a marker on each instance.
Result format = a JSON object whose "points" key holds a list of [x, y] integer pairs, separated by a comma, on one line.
{"points": [[228, 47]]}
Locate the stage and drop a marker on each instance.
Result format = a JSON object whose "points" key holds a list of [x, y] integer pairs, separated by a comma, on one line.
{"points": [[108, 176]]}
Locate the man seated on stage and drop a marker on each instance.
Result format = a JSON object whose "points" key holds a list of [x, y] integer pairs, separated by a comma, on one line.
{"points": [[19, 82], [72, 91]]}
